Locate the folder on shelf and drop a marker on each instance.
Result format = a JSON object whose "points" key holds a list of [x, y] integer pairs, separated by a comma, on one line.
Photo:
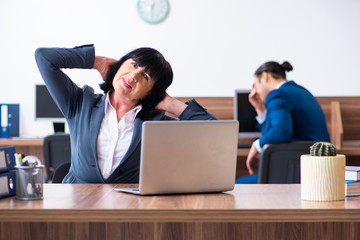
{"points": [[9, 120], [7, 184], [7, 158]]}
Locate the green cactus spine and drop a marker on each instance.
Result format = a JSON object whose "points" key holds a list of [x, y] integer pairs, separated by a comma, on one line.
{"points": [[323, 149]]}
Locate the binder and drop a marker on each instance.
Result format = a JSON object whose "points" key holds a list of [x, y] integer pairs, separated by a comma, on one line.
{"points": [[7, 184], [9, 116], [7, 158]]}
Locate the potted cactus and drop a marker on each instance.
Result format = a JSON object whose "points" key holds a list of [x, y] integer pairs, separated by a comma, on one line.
{"points": [[323, 173]]}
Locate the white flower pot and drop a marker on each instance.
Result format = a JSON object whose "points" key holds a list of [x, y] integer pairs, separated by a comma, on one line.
{"points": [[323, 178]]}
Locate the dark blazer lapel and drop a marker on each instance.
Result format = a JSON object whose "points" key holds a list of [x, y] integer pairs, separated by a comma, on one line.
{"points": [[97, 116], [136, 138]]}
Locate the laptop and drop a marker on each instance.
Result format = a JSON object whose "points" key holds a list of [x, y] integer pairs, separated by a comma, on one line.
{"points": [[187, 157]]}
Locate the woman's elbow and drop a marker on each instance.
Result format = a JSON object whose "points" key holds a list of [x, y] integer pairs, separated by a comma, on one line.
{"points": [[39, 52]]}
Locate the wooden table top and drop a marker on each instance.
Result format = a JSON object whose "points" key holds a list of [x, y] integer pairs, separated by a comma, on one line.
{"points": [[22, 142], [250, 203]]}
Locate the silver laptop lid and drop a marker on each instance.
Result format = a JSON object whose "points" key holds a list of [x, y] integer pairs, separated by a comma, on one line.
{"points": [[188, 156]]}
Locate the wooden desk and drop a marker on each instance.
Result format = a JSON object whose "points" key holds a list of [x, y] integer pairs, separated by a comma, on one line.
{"points": [[25, 145], [95, 211]]}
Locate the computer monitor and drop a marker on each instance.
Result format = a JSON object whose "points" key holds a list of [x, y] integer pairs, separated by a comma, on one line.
{"points": [[245, 113], [46, 108]]}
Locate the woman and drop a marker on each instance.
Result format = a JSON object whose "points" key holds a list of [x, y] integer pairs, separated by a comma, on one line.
{"points": [[286, 112], [105, 129]]}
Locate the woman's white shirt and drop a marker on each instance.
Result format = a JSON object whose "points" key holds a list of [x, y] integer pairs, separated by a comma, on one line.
{"points": [[114, 137]]}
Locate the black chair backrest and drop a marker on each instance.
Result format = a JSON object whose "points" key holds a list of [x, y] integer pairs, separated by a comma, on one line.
{"points": [[280, 163], [60, 172], [57, 150]]}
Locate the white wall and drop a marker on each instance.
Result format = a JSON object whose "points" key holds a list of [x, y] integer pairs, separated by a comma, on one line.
{"points": [[213, 46]]}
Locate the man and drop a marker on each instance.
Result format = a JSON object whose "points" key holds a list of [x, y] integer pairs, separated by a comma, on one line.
{"points": [[286, 112]]}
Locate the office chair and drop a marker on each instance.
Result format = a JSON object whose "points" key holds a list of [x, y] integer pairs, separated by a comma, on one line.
{"points": [[57, 150], [280, 163], [60, 172]]}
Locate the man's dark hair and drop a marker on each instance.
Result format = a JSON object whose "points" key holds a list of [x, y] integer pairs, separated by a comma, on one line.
{"points": [[276, 70]]}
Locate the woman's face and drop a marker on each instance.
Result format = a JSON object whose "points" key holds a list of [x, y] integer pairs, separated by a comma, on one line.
{"points": [[132, 81]]}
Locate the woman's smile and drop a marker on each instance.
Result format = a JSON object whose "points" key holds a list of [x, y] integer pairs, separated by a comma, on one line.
{"points": [[126, 83]]}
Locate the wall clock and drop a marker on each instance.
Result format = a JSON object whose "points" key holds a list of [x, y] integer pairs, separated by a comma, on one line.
{"points": [[153, 11]]}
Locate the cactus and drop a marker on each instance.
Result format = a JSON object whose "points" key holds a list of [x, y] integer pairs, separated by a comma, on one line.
{"points": [[323, 149]]}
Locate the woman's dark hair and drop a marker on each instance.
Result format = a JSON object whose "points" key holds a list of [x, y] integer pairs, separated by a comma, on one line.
{"points": [[276, 70], [155, 65]]}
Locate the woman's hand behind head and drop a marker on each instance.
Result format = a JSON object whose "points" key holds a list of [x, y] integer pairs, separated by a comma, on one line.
{"points": [[171, 105], [104, 65]]}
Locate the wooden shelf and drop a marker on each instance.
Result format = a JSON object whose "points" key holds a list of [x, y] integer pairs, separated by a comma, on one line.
{"points": [[28, 146], [23, 142]]}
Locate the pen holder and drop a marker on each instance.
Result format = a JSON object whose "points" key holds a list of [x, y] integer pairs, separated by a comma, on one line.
{"points": [[29, 182]]}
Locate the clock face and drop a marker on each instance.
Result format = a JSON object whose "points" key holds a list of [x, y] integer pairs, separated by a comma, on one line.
{"points": [[153, 11]]}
